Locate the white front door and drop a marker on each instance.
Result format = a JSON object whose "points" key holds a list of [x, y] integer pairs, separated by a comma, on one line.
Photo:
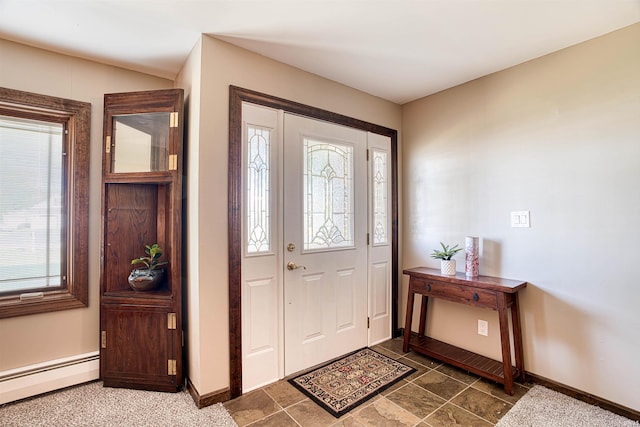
{"points": [[325, 241], [311, 192]]}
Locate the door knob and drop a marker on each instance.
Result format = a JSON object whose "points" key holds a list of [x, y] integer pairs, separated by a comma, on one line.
{"points": [[294, 266]]}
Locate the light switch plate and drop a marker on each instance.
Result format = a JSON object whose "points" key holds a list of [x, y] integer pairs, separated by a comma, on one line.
{"points": [[520, 219]]}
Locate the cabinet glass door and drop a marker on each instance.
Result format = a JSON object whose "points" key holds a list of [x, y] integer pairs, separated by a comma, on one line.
{"points": [[140, 142]]}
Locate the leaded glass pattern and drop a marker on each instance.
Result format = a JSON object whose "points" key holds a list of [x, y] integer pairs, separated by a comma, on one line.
{"points": [[380, 197], [328, 202], [258, 190]]}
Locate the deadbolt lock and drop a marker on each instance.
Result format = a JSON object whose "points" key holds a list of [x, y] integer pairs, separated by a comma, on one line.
{"points": [[291, 247]]}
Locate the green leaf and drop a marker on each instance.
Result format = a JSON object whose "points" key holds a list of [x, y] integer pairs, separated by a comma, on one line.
{"points": [[446, 253]]}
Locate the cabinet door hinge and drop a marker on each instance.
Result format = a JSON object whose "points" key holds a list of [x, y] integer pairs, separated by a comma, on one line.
{"points": [[107, 145], [368, 322], [173, 162], [171, 321], [173, 119], [171, 367], [103, 339], [367, 154], [367, 238]]}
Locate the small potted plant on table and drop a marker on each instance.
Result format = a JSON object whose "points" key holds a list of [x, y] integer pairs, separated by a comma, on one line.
{"points": [[150, 277], [447, 265]]}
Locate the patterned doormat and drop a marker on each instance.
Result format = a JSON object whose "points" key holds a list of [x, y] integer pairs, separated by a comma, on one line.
{"points": [[350, 381]]}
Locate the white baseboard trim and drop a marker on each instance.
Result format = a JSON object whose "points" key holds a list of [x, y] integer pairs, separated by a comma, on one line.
{"points": [[27, 381]]}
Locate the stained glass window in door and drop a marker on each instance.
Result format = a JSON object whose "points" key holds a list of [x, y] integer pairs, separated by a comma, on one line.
{"points": [[258, 194], [380, 197], [328, 202]]}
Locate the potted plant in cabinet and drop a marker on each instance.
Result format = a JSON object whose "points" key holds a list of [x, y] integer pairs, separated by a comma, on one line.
{"points": [[447, 264], [150, 277]]}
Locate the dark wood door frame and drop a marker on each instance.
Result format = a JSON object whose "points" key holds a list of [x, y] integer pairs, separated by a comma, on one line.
{"points": [[236, 96]]}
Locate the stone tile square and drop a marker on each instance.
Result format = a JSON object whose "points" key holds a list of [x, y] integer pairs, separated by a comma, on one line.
{"points": [[251, 407], [416, 400], [451, 415], [348, 421], [308, 414], [482, 404], [279, 419], [440, 384], [384, 413], [284, 393]]}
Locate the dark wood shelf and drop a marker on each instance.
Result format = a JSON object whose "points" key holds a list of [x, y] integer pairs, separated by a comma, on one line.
{"points": [[137, 178], [459, 357], [162, 298], [494, 293], [159, 293]]}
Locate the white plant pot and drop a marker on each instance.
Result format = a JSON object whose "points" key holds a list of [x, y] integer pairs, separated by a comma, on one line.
{"points": [[448, 267]]}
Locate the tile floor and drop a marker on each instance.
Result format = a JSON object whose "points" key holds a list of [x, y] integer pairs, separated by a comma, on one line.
{"points": [[435, 395]]}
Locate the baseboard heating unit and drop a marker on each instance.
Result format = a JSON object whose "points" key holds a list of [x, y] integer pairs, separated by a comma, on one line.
{"points": [[27, 381]]}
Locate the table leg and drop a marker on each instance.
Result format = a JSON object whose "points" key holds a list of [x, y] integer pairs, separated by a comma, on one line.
{"points": [[423, 315], [409, 318], [506, 345], [517, 338]]}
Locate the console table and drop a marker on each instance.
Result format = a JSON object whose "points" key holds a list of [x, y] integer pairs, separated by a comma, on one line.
{"points": [[482, 291]]}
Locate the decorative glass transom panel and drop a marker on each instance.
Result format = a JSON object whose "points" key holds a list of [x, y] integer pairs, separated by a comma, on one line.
{"points": [[258, 190], [328, 202], [380, 196]]}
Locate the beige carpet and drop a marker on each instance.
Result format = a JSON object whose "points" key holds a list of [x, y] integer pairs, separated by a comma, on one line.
{"points": [[542, 407], [94, 405]]}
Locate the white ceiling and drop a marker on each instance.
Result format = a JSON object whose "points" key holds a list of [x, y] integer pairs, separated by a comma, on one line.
{"points": [[399, 50]]}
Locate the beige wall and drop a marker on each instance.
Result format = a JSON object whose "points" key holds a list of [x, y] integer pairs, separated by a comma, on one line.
{"points": [[223, 65], [559, 136], [39, 338], [189, 78]]}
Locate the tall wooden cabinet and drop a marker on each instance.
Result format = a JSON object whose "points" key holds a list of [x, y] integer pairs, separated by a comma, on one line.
{"points": [[141, 331]]}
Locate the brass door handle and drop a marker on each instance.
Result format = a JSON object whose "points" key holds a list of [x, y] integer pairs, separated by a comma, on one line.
{"points": [[294, 266]]}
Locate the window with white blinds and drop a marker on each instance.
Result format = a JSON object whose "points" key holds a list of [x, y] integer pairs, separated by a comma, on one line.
{"points": [[44, 203], [31, 204]]}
